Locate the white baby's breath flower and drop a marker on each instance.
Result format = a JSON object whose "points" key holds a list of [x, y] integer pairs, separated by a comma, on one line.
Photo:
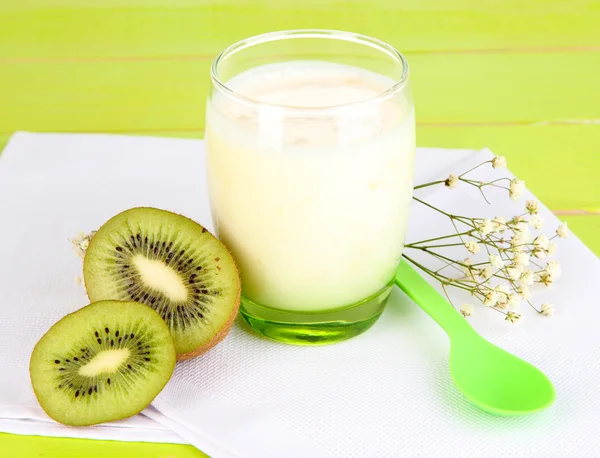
{"points": [[532, 207], [516, 220], [470, 272], [552, 248], [502, 302], [499, 224], [496, 261], [537, 222], [541, 242], [539, 253], [502, 289], [472, 246], [563, 230], [546, 279], [486, 273], [513, 317], [547, 309], [503, 295], [553, 269], [499, 162], [527, 277], [485, 227], [521, 235], [516, 188], [521, 259], [524, 292], [491, 298], [451, 181], [514, 301], [514, 272], [466, 310]]}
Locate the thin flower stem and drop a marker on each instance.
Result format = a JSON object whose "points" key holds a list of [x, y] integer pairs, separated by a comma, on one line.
{"points": [[441, 278], [409, 245], [533, 306], [440, 246], [432, 207], [429, 184], [476, 167]]}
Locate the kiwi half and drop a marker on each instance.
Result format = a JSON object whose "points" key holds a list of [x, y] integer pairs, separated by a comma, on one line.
{"points": [[172, 264], [105, 362]]}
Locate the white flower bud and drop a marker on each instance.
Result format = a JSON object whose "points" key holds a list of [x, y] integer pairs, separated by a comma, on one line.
{"points": [[499, 224], [527, 277], [466, 310], [532, 207], [521, 259], [472, 246], [451, 181], [496, 261], [513, 317], [537, 222], [485, 227], [516, 188], [541, 242], [563, 230], [491, 298], [547, 309], [552, 248], [499, 162]]}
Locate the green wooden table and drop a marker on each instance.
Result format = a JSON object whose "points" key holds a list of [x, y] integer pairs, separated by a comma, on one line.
{"points": [[520, 77]]}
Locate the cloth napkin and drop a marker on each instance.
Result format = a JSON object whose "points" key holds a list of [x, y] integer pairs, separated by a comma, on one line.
{"points": [[384, 393]]}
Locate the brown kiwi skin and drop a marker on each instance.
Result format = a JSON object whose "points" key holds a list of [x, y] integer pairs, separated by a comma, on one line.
{"points": [[219, 336]]}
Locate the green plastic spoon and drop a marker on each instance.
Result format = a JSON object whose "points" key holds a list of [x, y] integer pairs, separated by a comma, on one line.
{"points": [[489, 377]]}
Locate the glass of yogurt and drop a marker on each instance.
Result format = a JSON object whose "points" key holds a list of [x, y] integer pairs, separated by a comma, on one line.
{"points": [[310, 140]]}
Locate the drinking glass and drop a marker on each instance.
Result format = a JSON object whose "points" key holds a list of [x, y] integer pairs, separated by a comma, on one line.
{"points": [[310, 138]]}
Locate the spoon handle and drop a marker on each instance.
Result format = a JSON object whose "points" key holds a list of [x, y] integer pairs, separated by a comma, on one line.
{"points": [[426, 297]]}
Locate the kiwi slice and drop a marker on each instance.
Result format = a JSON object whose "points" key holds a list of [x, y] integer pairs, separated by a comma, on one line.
{"points": [[172, 264], [104, 362]]}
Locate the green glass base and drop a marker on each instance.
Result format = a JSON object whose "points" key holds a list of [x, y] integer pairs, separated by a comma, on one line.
{"points": [[307, 328]]}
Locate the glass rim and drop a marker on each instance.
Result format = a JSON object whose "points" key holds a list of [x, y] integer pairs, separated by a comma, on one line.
{"points": [[366, 40]]}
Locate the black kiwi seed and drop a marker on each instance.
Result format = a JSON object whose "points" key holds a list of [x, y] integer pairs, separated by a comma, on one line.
{"points": [[96, 333], [108, 381], [117, 334], [56, 361], [76, 393], [118, 248], [106, 330]]}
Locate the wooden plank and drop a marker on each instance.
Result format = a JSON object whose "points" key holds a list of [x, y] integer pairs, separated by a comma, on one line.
{"points": [[136, 28], [560, 163], [15, 446], [170, 94], [587, 228]]}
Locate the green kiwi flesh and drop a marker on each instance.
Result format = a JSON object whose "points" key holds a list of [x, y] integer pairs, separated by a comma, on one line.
{"points": [[104, 362], [173, 265]]}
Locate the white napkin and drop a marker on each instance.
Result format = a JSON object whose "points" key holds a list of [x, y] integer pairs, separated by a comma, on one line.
{"points": [[384, 393]]}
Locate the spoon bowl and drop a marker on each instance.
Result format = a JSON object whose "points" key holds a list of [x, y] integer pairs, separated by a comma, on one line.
{"points": [[497, 381]]}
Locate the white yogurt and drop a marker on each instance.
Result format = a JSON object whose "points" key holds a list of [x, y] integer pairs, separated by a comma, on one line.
{"points": [[313, 206]]}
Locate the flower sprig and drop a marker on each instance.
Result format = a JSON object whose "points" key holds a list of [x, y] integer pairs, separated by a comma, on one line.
{"points": [[504, 259]]}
